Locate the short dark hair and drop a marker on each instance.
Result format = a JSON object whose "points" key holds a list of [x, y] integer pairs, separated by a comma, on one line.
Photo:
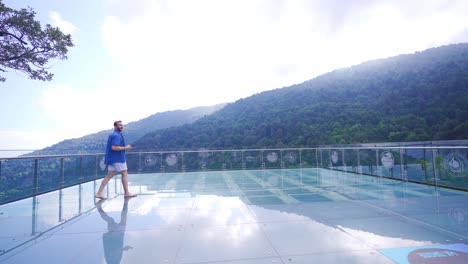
{"points": [[116, 122]]}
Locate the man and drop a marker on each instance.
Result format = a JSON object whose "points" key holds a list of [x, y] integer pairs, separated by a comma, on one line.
{"points": [[115, 160]]}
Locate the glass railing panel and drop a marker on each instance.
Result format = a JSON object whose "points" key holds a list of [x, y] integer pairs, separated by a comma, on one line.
{"points": [[193, 161], [101, 169], [271, 159], [290, 159], [135, 162], [213, 160], [389, 163], [451, 167], [334, 159], [350, 160], [90, 168], [16, 179], [49, 174], [252, 159], [325, 158], [172, 162], [310, 158], [72, 171], [144, 162], [233, 160], [417, 165], [368, 160]]}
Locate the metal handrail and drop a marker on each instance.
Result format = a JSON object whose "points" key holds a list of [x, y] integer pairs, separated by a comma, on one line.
{"points": [[239, 150]]}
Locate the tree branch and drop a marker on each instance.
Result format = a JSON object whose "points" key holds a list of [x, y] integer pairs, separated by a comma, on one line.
{"points": [[3, 33]]}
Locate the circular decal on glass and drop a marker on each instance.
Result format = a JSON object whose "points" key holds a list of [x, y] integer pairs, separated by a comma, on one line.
{"points": [[171, 159], [272, 157], [290, 157], [455, 164], [102, 165], [387, 159], [335, 157], [150, 160]]}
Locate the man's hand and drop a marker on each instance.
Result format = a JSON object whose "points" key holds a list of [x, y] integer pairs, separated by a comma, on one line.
{"points": [[128, 147]]}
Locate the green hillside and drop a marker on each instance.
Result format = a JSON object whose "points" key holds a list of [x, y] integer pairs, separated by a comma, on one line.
{"points": [[96, 143], [422, 96]]}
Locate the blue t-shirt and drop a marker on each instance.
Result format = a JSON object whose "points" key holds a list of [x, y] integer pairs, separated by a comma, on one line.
{"points": [[115, 139]]}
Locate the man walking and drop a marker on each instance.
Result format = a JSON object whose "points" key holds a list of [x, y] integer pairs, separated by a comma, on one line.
{"points": [[115, 160]]}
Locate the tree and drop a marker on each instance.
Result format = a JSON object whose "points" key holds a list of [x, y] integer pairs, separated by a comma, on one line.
{"points": [[26, 47]]}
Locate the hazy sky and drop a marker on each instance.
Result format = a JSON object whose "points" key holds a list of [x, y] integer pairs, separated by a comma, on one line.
{"points": [[133, 58]]}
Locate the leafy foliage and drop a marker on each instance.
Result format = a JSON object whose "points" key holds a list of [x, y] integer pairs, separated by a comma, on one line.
{"points": [[26, 47], [423, 96]]}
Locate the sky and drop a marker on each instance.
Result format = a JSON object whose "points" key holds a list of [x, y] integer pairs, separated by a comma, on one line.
{"points": [[134, 58]]}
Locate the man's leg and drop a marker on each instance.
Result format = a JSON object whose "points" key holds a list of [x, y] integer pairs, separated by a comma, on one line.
{"points": [[125, 184], [104, 182]]}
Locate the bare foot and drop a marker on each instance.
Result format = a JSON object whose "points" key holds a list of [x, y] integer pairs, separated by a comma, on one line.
{"points": [[129, 195], [100, 197]]}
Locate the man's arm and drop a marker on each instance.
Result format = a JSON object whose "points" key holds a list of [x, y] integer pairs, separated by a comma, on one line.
{"points": [[119, 148]]}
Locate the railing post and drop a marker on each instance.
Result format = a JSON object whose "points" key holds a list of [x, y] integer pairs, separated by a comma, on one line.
{"points": [[242, 160], [321, 159], [358, 162], [263, 161], [96, 165], [182, 161], [402, 167], [435, 167], [300, 159], [62, 173], [281, 159], [36, 180], [161, 166], [378, 170], [81, 169], [343, 160], [316, 158], [224, 161], [140, 167]]}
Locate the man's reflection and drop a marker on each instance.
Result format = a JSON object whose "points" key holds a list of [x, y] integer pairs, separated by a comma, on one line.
{"points": [[114, 238]]}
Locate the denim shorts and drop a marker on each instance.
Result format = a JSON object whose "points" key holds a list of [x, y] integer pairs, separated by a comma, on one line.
{"points": [[117, 166]]}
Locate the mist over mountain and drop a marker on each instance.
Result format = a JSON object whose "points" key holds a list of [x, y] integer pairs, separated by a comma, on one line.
{"points": [[96, 143], [420, 96]]}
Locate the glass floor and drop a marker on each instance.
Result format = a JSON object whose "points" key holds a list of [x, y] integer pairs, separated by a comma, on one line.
{"points": [[263, 216]]}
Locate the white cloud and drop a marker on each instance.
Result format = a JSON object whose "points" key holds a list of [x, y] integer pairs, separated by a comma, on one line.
{"points": [[65, 26], [78, 113], [30, 140], [177, 54]]}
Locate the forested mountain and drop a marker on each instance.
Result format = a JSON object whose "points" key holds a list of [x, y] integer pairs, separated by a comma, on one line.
{"points": [[421, 96], [96, 143]]}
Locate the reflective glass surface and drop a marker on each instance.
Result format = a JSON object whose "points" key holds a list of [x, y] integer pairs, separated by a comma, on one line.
{"points": [[244, 216]]}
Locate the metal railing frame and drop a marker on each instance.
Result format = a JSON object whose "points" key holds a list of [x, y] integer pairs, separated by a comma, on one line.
{"points": [[319, 161]]}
